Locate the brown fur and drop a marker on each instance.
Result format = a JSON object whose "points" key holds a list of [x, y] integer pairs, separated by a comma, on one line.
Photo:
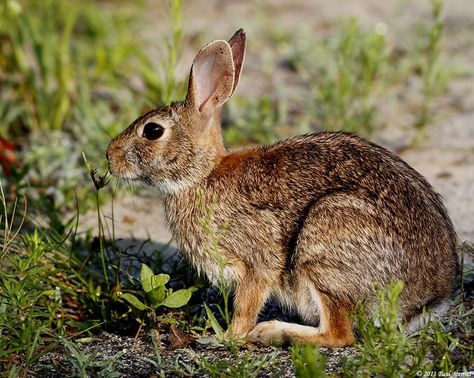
{"points": [[314, 220]]}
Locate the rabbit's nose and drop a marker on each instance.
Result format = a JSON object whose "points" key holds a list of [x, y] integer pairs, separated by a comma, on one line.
{"points": [[109, 151]]}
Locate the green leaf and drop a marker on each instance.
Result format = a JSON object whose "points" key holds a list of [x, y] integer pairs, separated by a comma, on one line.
{"points": [[211, 340], [178, 298], [146, 275], [219, 331], [159, 280], [48, 293], [152, 281], [157, 296], [134, 301]]}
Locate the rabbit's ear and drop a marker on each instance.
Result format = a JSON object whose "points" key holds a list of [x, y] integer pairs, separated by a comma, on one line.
{"points": [[212, 77], [237, 43]]}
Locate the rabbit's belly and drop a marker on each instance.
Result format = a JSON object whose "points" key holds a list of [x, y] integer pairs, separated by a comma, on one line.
{"points": [[300, 296]]}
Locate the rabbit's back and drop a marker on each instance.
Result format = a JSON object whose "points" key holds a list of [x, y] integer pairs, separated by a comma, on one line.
{"points": [[297, 172]]}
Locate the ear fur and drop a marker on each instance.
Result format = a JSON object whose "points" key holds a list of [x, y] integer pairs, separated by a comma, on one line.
{"points": [[237, 43], [211, 81]]}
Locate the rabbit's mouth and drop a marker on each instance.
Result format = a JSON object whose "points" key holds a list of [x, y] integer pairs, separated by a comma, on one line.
{"points": [[128, 176]]}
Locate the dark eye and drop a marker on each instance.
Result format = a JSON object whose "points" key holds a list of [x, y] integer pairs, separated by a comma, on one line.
{"points": [[153, 131]]}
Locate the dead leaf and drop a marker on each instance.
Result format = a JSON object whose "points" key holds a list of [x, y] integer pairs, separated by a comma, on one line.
{"points": [[178, 339], [129, 219], [8, 157]]}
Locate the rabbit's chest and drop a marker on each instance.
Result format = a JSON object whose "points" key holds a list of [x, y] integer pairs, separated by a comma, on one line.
{"points": [[223, 241], [199, 237]]}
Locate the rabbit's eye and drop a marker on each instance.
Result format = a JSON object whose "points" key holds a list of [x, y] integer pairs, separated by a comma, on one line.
{"points": [[153, 131]]}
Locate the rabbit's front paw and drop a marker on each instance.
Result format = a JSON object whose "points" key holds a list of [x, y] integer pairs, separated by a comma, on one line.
{"points": [[229, 335], [268, 333]]}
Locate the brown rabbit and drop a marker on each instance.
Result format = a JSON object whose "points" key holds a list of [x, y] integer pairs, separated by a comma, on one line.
{"points": [[313, 220]]}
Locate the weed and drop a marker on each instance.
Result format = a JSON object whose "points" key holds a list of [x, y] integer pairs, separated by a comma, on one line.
{"points": [[433, 75], [241, 366], [212, 247], [31, 310], [353, 68], [259, 121], [308, 361], [386, 350], [83, 363], [157, 294], [173, 46], [68, 77], [157, 362], [99, 183], [9, 234], [345, 77]]}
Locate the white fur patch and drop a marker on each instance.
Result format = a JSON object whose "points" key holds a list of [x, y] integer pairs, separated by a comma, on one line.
{"points": [[172, 186], [317, 306], [419, 321]]}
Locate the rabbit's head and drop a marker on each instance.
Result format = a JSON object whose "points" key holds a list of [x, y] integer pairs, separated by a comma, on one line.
{"points": [[176, 146]]}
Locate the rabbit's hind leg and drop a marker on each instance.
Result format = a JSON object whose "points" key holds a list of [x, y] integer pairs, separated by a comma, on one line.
{"points": [[334, 259], [334, 331]]}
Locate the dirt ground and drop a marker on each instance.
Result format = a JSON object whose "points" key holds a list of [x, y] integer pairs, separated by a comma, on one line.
{"points": [[445, 157]]}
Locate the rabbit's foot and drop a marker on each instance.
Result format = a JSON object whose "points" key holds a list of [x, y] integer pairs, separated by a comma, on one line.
{"points": [[274, 332], [280, 333]]}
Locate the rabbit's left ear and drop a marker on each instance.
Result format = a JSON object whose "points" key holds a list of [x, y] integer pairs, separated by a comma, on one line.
{"points": [[237, 44], [211, 81]]}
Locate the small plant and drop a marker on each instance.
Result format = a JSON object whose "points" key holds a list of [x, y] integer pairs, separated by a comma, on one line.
{"points": [[30, 304], [173, 46], [161, 83], [207, 223], [83, 363], [308, 361], [344, 78], [385, 349], [157, 294], [259, 121], [69, 77], [384, 346], [9, 233], [433, 75], [240, 366]]}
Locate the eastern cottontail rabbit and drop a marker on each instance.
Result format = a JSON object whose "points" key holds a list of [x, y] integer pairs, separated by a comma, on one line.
{"points": [[313, 220]]}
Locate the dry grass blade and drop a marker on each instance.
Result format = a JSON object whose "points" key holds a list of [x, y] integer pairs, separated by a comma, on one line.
{"points": [[8, 234]]}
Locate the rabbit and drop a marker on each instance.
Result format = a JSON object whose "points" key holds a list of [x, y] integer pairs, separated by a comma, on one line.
{"points": [[313, 221]]}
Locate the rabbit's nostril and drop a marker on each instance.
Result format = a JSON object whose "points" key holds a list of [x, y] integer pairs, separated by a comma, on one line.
{"points": [[107, 156]]}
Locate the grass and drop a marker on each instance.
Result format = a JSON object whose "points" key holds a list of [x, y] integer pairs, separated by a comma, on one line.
{"points": [[69, 79], [308, 361], [384, 349], [351, 72], [433, 75], [346, 75], [71, 76]]}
